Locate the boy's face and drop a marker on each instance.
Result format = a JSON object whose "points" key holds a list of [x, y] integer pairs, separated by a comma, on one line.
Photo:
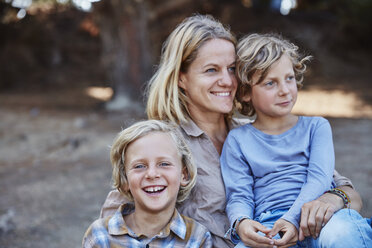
{"points": [[276, 94], [154, 172]]}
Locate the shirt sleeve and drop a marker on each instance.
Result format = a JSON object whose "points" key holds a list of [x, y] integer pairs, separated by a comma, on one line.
{"points": [[341, 180], [90, 239], [238, 180], [207, 242], [319, 172]]}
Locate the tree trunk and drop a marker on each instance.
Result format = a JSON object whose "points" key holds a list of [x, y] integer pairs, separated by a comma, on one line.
{"points": [[126, 53]]}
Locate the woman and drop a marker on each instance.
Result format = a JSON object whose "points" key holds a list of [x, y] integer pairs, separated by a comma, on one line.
{"points": [[194, 87]]}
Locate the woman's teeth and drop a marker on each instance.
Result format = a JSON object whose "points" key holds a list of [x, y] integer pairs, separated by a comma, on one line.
{"points": [[221, 93]]}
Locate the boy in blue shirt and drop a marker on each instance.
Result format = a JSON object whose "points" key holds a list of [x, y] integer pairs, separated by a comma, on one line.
{"points": [[274, 165]]}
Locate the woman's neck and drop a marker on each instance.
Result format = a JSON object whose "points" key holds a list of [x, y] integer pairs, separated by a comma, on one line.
{"points": [[215, 126], [148, 224], [275, 126]]}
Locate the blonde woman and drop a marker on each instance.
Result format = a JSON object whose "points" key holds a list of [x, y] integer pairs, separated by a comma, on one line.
{"points": [[195, 86]]}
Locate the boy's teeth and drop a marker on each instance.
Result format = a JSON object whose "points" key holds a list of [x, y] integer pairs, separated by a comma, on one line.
{"points": [[154, 189]]}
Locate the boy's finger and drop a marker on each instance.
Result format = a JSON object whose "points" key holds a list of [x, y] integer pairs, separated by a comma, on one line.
{"points": [[288, 238], [263, 228], [258, 239]]}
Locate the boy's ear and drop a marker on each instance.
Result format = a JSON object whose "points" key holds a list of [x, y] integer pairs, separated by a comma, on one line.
{"points": [[181, 81], [185, 177]]}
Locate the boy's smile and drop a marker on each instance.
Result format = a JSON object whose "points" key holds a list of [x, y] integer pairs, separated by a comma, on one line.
{"points": [[155, 172]]}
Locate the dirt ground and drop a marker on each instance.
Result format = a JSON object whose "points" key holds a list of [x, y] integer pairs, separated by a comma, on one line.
{"points": [[55, 170]]}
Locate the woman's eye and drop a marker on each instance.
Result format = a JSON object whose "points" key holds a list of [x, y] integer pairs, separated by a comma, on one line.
{"points": [[211, 70], [232, 69], [270, 83]]}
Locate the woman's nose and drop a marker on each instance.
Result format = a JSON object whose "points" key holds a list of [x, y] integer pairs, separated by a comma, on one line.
{"points": [[227, 78]]}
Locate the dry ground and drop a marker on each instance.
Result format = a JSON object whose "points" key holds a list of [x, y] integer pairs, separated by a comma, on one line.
{"points": [[55, 171]]}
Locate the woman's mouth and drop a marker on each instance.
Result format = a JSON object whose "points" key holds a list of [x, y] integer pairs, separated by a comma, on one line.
{"points": [[221, 93]]}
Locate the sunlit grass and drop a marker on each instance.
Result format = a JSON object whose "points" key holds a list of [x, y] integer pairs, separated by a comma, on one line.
{"points": [[100, 93], [331, 103]]}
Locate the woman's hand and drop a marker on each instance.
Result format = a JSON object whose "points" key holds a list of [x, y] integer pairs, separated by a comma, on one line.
{"points": [[247, 230], [316, 214], [288, 231]]}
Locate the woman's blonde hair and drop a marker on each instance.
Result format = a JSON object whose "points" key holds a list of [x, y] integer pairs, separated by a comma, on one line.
{"points": [[166, 101], [138, 130], [257, 52]]}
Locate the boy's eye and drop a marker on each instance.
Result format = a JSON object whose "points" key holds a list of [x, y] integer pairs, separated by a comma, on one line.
{"points": [[139, 166], [269, 83], [290, 78], [164, 164]]}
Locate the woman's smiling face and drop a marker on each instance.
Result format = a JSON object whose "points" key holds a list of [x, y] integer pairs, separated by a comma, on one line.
{"points": [[210, 83]]}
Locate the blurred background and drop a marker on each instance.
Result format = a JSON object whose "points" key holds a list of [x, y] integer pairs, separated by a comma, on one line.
{"points": [[72, 75]]}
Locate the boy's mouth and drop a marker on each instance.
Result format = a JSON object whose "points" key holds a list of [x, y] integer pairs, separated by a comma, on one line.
{"points": [[154, 189]]}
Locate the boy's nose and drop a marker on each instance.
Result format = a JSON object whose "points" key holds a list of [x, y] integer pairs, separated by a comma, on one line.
{"points": [[152, 172], [283, 88]]}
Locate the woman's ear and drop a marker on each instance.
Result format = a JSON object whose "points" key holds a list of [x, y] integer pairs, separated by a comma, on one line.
{"points": [[182, 81], [185, 179]]}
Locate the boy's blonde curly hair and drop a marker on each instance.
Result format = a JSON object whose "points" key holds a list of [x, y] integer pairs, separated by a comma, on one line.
{"points": [[257, 52]]}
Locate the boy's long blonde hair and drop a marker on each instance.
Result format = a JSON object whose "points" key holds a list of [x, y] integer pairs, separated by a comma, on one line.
{"points": [[138, 130], [166, 101], [257, 52]]}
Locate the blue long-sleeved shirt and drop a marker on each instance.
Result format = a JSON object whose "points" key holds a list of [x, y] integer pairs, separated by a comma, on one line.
{"points": [[265, 172]]}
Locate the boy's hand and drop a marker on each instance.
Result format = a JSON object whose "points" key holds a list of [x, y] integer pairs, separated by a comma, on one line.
{"points": [[289, 231], [247, 231]]}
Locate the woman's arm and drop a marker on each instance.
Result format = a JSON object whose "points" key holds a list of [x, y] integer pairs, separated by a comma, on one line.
{"points": [[315, 214]]}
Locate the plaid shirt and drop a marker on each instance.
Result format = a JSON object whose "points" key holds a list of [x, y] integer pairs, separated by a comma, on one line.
{"points": [[113, 232]]}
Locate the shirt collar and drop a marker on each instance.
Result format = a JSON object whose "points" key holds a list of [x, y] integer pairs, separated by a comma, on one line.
{"points": [[117, 225], [190, 128]]}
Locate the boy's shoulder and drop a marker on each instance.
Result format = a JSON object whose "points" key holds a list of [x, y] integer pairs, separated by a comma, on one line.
{"points": [[192, 225], [317, 120], [240, 121], [97, 232], [196, 233]]}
